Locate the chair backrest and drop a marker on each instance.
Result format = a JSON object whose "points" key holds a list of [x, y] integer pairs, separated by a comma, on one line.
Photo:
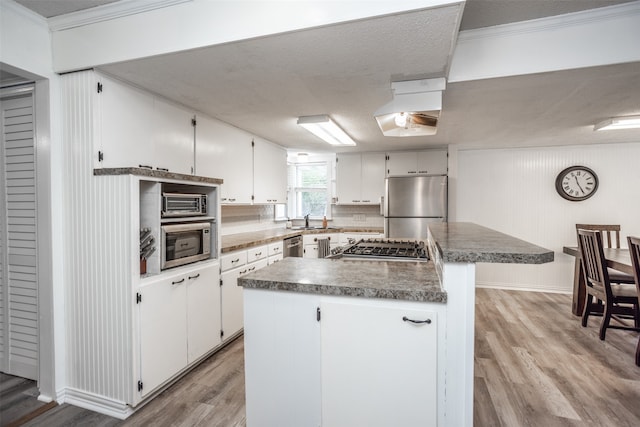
{"points": [[608, 231], [634, 250], [593, 262]]}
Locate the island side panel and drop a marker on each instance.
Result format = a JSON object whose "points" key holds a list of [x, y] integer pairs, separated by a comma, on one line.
{"points": [[458, 280]]}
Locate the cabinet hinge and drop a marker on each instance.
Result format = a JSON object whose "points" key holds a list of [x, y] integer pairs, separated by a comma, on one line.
{"points": [[100, 156], [253, 144], [252, 197], [318, 314], [193, 122], [221, 333], [99, 87], [138, 297], [140, 386], [220, 282]]}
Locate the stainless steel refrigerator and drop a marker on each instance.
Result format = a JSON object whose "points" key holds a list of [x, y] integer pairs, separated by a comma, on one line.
{"points": [[411, 202]]}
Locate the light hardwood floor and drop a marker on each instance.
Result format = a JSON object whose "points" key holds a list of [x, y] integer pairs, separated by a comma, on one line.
{"points": [[534, 366]]}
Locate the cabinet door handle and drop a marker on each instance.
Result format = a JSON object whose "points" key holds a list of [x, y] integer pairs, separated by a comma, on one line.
{"points": [[259, 253], [177, 282], [243, 271], [252, 268], [163, 169], [194, 277], [423, 171], [146, 166], [235, 260], [406, 319]]}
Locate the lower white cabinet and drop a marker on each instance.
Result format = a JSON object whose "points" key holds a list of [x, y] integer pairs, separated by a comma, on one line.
{"points": [[340, 361], [236, 264], [310, 243], [179, 322]]}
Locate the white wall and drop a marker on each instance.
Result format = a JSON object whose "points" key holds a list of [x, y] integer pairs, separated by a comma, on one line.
{"points": [[25, 50], [513, 191]]}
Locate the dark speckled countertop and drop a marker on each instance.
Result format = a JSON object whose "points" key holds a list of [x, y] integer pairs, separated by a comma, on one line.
{"points": [[409, 281], [467, 242], [234, 242]]}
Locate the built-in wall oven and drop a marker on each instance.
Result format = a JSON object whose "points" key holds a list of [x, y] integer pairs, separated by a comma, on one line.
{"points": [[184, 243]]}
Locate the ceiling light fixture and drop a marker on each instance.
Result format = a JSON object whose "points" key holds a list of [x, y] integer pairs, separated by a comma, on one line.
{"points": [[414, 110], [326, 129], [626, 122]]}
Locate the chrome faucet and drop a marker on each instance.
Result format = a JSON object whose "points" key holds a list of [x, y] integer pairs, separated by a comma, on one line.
{"points": [[306, 221]]}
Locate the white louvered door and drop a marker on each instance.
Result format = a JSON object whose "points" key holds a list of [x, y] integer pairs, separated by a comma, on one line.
{"points": [[18, 272]]}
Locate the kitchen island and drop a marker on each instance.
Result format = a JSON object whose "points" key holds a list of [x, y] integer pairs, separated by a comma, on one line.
{"points": [[337, 342]]}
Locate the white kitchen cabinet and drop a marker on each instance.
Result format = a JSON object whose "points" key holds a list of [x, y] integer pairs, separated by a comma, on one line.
{"points": [[124, 124], [203, 311], [269, 172], [139, 129], [428, 162], [310, 243], [234, 265], [224, 151], [163, 330], [315, 360], [173, 138], [360, 178], [373, 177], [179, 319], [274, 252], [375, 361]]}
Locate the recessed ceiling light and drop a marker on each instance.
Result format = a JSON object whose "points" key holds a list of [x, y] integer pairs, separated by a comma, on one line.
{"points": [[626, 122]]}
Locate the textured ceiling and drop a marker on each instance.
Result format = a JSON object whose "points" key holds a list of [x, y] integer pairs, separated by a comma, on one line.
{"points": [[346, 70], [262, 85]]}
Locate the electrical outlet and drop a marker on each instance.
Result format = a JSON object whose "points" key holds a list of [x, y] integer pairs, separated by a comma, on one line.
{"points": [[359, 217]]}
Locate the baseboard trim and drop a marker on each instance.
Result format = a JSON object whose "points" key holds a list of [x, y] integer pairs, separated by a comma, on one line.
{"points": [[96, 403], [502, 286]]}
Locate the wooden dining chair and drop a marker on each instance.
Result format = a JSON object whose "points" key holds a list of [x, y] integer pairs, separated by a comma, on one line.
{"points": [[611, 234], [620, 301], [634, 250]]}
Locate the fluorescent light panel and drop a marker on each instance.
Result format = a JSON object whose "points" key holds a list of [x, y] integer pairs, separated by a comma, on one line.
{"points": [[627, 122], [326, 129]]}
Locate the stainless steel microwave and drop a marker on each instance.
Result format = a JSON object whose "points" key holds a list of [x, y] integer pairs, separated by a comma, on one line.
{"points": [[184, 243], [182, 204]]}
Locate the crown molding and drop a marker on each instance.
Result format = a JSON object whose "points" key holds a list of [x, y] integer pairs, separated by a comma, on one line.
{"points": [[18, 9], [107, 12], [554, 22]]}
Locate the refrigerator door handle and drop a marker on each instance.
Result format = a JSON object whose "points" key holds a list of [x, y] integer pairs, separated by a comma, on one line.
{"points": [[383, 207]]}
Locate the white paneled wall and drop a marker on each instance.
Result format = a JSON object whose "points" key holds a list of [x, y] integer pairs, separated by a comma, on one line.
{"points": [[513, 191], [98, 301]]}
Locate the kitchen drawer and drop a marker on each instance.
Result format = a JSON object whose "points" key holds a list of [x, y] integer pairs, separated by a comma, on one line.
{"points": [[233, 260], [274, 258], [275, 248], [254, 266], [259, 252]]}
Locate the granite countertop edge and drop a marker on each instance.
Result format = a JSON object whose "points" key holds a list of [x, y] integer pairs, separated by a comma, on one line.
{"points": [[153, 173], [264, 237]]}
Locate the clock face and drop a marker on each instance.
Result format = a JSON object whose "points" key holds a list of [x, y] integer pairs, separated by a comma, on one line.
{"points": [[577, 183]]}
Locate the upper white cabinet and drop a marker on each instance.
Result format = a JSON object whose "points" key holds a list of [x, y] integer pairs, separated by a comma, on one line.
{"points": [[224, 151], [269, 172], [431, 162], [360, 178], [173, 138], [137, 129]]}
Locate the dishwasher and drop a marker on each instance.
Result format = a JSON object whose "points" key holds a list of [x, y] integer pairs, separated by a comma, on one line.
{"points": [[293, 247]]}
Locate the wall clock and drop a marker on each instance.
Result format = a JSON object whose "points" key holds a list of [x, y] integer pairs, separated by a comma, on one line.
{"points": [[577, 183]]}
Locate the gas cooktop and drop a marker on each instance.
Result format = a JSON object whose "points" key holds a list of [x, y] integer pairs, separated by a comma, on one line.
{"points": [[385, 249]]}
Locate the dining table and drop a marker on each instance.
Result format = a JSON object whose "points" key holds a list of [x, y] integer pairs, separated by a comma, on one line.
{"points": [[616, 258]]}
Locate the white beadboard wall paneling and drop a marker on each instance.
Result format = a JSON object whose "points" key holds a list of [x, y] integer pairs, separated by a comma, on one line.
{"points": [[97, 292], [513, 191]]}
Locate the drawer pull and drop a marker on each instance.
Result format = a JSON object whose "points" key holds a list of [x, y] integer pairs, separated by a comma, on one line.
{"points": [[194, 277], [235, 260], [177, 282], [406, 319]]}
